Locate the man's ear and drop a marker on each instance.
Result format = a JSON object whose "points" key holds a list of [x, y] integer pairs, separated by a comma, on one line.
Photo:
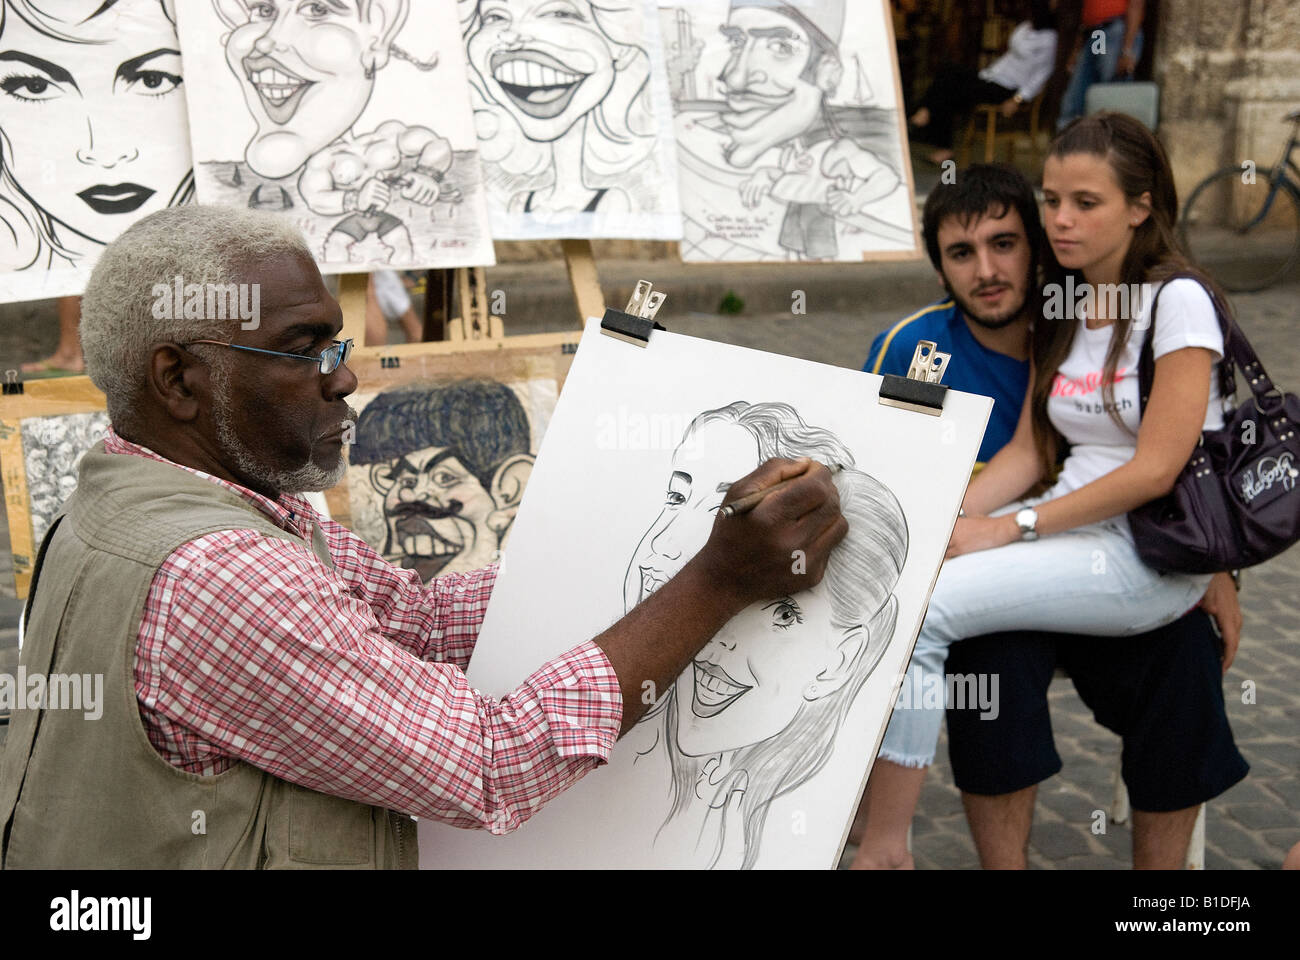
{"points": [[176, 381], [508, 489], [385, 19], [233, 13], [828, 73], [840, 670]]}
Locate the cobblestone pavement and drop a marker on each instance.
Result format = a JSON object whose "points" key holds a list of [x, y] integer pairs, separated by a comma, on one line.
{"points": [[1250, 826]]}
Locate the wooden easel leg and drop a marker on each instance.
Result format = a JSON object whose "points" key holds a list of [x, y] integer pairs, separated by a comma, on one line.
{"points": [[583, 280], [352, 301]]}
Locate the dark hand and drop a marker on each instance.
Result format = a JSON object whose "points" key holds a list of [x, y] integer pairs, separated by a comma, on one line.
{"points": [[780, 546]]}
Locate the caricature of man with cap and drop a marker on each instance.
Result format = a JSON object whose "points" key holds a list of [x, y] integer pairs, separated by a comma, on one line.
{"points": [[784, 64]]}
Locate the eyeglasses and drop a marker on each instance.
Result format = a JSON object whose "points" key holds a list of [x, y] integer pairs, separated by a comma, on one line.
{"points": [[330, 359]]}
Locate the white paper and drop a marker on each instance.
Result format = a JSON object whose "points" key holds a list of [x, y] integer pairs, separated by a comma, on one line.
{"points": [[599, 509], [573, 118], [352, 119], [94, 136], [788, 130]]}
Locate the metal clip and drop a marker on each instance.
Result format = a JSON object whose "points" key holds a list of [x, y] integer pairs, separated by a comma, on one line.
{"points": [[928, 363], [645, 301]]}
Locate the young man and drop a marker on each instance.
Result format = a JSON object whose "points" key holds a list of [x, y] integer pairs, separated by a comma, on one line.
{"points": [[1161, 691]]}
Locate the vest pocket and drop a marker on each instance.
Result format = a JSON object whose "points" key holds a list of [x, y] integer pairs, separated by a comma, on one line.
{"points": [[329, 830]]}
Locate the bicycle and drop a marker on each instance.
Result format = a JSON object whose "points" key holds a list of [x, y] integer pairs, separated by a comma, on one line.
{"points": [[1242, 224]]}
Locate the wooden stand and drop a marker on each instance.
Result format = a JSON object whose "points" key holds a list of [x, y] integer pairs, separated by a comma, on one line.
{"points": [[469, 284]]}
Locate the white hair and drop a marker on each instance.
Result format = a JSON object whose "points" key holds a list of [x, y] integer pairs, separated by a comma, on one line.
{"points": [[199, 244]]}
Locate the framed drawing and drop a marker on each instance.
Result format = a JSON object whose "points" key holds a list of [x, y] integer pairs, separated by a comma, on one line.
{"points": [[757, 754], [43, 433], [444, 445], [790, 132], [351, 118], [93, 134]]}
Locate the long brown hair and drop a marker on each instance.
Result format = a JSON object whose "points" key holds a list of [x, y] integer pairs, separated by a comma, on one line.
{"points": [[1154, 253]]}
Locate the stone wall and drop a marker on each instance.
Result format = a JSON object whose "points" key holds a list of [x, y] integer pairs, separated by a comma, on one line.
{"points": [[1229, 71]]}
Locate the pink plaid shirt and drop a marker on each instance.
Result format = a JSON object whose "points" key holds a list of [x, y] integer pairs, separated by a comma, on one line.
{"points": [[349, 681]]}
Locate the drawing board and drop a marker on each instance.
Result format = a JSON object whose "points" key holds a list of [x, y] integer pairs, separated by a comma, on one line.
{"points": [[757, 755], [444, 446]]}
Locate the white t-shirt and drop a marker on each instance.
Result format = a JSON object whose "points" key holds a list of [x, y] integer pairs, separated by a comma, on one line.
{"points": [[1076, 408]]}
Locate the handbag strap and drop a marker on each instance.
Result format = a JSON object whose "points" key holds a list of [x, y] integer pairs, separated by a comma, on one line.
{"points": [[1237, 352]]}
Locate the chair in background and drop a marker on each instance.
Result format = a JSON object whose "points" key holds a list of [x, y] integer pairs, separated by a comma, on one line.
{"points": [[1014, 131]]}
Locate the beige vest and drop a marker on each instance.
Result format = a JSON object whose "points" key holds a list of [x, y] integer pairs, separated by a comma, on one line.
{"points": [[78, 792]]}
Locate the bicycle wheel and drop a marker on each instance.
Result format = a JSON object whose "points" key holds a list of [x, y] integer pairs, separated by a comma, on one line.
{"points": [[1235, 232]]}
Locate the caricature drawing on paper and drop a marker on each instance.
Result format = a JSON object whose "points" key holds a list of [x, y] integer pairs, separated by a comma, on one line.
{"points": [[563, 109], [449, 463], [92, 126], [756, 713], [308, 71], [785, 153]]}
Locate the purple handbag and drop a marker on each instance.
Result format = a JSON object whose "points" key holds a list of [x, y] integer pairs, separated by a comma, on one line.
{"points": [[1236, 503]]}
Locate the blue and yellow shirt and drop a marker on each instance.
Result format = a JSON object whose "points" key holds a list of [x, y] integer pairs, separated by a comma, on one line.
{"points": [[974, 368]]}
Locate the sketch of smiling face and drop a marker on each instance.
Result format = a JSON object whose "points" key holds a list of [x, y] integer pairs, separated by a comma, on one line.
{"points": [[769, 101], [696, 487], [750, 680], [303, 68], [96, 130], [436, 512], [547, 63]]}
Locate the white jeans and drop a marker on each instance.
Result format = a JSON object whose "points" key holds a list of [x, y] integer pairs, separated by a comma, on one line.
{"points": [[1088, 581]]}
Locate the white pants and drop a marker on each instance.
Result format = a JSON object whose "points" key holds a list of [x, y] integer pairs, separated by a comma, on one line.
{"points": [[1088, 581]]}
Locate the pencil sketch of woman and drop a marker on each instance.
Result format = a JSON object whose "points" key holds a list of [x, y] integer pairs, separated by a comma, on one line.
{"points": [[93, 130], [756, 714], [565, 120]]}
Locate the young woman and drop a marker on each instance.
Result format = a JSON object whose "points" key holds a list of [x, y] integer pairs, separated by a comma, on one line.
{"points": [[1066, 560]]}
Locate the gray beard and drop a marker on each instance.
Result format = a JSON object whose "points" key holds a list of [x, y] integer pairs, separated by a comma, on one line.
{"points": [[304, 479]]}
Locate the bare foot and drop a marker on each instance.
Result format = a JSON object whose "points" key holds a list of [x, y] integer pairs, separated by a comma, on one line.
{"points": [[71, 364], [939, 157], [870, 859], [921, 118]]}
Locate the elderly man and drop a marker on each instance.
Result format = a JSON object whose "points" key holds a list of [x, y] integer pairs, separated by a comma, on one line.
{"points": [[278, 694]]}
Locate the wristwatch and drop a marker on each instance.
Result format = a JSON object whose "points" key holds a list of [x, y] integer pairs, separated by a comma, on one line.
{"points": [[1026, 520]]}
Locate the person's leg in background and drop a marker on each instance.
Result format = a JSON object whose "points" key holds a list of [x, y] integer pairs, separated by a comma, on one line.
{"points": [[1096, 62], [950, 95], [67, 355], [387, 299]]}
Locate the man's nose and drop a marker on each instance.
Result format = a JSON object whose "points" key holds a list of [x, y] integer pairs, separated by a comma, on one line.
{"points": [[984, 263]]}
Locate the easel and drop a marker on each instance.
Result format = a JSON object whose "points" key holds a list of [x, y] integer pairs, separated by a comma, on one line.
{"points": [[476, 320]]}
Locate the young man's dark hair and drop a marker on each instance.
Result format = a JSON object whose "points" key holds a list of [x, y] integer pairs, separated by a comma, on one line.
{"points": [[982, 189]]}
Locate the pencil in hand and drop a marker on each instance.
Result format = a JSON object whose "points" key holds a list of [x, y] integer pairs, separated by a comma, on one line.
{"points": [[751, 500]]}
